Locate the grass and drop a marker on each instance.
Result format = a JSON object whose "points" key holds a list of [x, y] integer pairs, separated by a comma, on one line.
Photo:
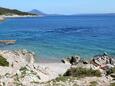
{"points": [[73, 74], [112, 84], [3, 61], [60, 80], [93, 83], [82, 72]]}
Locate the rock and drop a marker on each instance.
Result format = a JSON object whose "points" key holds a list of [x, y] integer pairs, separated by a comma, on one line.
{"points": [[112, 61], [73, 60], [109, 66], [23, 70], [1, 18], [8, 42], [27, 55], [105, 54], [66, 61], [84, 61], [18, 57], [103, 61], [113, 75]]}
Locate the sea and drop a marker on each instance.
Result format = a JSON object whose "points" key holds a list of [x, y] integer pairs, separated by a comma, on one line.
{"points": [[57, 37]]}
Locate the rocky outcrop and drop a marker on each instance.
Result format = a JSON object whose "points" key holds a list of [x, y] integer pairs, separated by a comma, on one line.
{"points": [[74, 60], [8, 42], [103, 61], [18, 56], [23, 70]]}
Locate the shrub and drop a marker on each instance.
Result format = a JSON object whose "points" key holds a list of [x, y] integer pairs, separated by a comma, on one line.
{"points": [[112, 84], [110, 71], [82, 72], [23, 71], [3, 61], [93, 83], [62, 78]]}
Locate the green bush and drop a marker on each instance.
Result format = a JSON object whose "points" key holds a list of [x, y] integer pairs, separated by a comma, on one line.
{"points": [[82, 72], [62, 78], [3, 61]]}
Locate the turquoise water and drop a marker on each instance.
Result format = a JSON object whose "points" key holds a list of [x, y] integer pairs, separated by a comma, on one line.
{"points": [[61, 36]]}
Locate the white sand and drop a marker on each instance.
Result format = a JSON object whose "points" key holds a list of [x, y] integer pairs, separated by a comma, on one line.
{"points": [[58, 68]]}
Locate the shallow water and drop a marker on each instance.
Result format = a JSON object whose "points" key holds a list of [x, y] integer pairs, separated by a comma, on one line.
{"points": [[60, 36]]}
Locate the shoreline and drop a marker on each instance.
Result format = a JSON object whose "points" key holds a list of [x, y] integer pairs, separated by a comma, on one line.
{"points": [[20, 16], [21, 65]]}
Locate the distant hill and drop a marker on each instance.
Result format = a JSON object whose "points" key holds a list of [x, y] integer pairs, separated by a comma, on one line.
{"points": [[10, 12], [37, 12]]}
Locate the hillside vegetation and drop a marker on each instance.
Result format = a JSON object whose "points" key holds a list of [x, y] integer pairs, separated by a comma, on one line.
{"points": [[6, 11]]}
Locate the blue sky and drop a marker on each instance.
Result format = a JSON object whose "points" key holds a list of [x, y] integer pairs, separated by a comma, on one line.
{"points": [[62, 6]]}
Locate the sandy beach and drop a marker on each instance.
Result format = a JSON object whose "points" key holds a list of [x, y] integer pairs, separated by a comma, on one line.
{"points": [[58, 68]]}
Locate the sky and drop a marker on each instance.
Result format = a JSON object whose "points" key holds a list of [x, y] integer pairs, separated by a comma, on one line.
{"points": [[62, 6]]}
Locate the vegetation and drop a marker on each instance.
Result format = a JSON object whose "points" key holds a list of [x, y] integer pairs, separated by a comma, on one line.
{"points": [[110, 71], [63, 78], [112, 84], [3, 61], [17, 81], [5, 11], [59, 81], [23, 71], [94, 83], [82, 72], [73, 74]]}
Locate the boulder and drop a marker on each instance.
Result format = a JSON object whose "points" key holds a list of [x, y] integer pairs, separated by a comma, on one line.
{"points": [[66, 61], [22, 70], [73, 60]]}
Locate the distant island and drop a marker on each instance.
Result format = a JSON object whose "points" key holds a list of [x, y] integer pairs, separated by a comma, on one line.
{"points": [[37, 12], [40, 13]]}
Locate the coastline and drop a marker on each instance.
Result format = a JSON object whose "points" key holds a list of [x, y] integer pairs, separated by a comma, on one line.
{"points": [[20, 16], [24, 70]]}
